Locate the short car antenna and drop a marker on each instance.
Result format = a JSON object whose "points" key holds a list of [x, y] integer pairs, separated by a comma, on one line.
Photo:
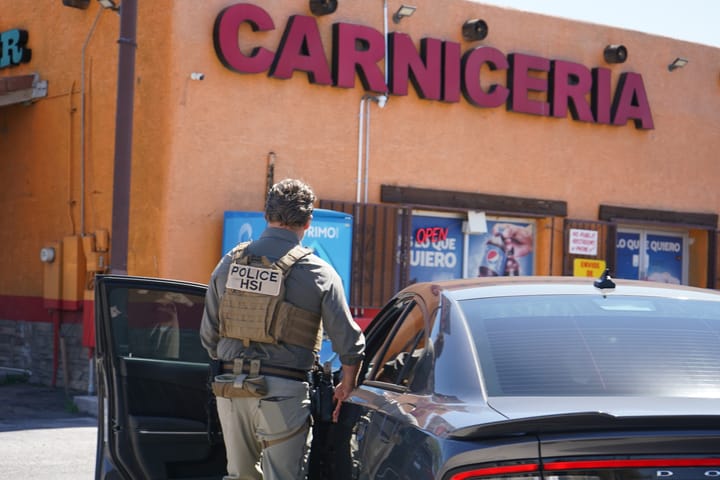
{"points": [[605, 281]]}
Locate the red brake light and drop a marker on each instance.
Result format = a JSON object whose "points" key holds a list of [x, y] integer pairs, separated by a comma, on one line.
{"points": [[532, 471], [637, 463], [496, 471]]}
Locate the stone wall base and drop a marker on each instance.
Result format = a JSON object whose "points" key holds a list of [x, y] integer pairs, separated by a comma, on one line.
{"points": [[32, 347]]}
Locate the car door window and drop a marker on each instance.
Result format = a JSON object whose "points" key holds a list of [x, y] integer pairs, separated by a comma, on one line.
{"points": [[397, 361], [157, 324], [377, 333]]}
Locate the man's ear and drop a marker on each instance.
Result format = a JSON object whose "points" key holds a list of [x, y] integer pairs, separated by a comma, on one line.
{"points": [[307, 224]]}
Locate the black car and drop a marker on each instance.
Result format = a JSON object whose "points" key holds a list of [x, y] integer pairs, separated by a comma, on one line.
{"points": [[528, 378]]}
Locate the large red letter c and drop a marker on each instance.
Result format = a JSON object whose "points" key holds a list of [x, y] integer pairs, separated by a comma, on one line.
{"points": [[225, 38]]}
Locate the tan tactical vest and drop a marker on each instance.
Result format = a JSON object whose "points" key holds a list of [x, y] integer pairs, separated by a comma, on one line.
{"points": [[250, 313]]}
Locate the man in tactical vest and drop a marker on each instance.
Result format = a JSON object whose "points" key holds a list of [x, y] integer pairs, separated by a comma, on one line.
{"points": [[267, 304]]}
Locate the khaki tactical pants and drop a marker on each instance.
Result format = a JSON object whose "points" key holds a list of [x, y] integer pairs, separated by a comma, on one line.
{"points": [[267, 437]]}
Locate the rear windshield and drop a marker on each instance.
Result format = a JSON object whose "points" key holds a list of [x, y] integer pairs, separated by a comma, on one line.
{"points": [[595, 345]]}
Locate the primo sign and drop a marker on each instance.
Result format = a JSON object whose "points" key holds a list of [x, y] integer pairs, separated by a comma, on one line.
{"points": [[439, 70]]}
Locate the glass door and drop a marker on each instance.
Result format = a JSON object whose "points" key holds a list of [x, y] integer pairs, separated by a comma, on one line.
{"points": [[651, 255]]}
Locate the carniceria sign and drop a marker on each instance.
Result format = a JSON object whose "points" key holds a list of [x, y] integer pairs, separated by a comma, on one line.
{"points": [[438, 70]]}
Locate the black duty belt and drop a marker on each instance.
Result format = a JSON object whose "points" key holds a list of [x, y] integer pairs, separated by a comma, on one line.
{"points": [[283, 372]]}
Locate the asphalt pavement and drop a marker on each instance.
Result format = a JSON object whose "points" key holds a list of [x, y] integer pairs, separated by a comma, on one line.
{"points": [[43, 432]]}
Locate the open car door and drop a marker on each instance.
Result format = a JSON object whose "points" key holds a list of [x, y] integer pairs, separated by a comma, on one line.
{"points": [[157, 414]]}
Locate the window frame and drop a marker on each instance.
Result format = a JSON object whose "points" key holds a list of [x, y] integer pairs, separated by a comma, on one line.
{"points": [[411, 303]]}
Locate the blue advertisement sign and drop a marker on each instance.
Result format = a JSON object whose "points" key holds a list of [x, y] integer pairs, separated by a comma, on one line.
{"points": [[659, 260], [329, 235], [665, 258], [436, 250], [627, 255], [241, 227]]}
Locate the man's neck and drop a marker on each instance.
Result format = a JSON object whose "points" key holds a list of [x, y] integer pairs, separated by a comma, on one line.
{"points": [[298, 231]]}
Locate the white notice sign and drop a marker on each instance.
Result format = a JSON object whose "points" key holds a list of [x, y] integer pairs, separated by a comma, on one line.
{"points": [[583, 242], [254, 279]]}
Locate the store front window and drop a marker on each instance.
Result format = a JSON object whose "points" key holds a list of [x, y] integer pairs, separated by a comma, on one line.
{"points": [[443, 247], [652, 255], [437, 247]]}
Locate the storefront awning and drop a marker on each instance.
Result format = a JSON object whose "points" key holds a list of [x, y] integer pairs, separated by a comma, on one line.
{"points": [[21, 88]]}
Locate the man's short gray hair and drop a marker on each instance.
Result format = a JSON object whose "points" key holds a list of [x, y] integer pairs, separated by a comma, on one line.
{"points": [[289, 202]]}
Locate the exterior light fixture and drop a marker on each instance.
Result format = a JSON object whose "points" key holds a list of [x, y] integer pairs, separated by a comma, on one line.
{"points": [[83, 4], [109, 4], [615, 53], [381, 100], [323, 7], [678, 63], [475, 29], [403, 11]]}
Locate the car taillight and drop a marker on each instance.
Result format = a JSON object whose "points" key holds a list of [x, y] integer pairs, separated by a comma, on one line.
{"points": [[617, 469], [637, 463], [524, 471]]}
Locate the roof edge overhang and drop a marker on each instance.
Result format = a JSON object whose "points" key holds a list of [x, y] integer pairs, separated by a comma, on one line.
{"points": [[21, 89]]}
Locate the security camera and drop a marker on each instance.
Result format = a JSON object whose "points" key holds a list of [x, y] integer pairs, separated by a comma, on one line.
{"points": [[197, 76], [323, 7], [475, 29], [615, 53]]}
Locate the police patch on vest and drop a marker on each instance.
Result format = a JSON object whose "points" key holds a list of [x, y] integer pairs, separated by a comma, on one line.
{"points": [[254, 279]]}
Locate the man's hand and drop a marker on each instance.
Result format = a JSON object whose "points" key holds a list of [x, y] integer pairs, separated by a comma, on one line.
{"points": [[344, 388], [342, 393]]}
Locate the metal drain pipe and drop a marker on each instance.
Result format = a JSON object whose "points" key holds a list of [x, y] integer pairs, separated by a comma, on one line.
{"points": [[123, 137]]}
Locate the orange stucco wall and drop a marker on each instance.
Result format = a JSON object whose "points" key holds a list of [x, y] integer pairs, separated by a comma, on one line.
{"points": [[201, 147], [225, 126], [40, 153]]}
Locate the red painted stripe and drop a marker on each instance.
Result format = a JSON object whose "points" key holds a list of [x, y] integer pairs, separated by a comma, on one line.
{"points": [[88, 319], [34, 309]]}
